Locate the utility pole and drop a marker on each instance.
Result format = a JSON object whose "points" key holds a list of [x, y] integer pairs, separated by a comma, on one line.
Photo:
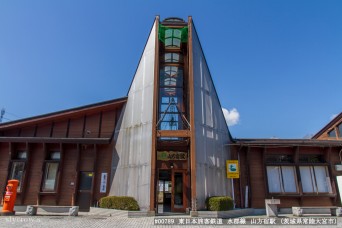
{"points": [[2, 113]]}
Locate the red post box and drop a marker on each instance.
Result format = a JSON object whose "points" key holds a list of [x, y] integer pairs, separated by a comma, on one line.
{"points": [[10, 197]]}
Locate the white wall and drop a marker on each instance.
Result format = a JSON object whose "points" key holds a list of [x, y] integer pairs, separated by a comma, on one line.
{"points": [[211, 132], [131, 167]]}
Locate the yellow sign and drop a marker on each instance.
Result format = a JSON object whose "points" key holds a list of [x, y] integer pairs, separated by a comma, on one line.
{"points": [[232, 169]]}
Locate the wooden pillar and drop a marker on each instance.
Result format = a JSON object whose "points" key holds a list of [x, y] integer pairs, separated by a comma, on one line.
{"points": [[154, 120]]}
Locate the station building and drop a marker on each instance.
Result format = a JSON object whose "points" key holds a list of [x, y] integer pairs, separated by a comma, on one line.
{"points": [[166, 144]]}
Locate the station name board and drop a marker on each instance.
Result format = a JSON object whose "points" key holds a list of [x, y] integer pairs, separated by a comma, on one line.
{"points": [[171, 155]]}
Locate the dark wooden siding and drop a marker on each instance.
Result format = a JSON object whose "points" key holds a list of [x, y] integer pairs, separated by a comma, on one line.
{"points": [[35, 173], [257, 180], [4, 161]]}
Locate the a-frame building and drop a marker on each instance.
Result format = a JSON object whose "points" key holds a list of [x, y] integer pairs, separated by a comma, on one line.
{"points": [[172, 138]]}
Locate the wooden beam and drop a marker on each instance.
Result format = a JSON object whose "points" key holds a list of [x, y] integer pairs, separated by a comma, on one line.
{"points": [[153, 187], [248, 171], [192, 117], [264, 152], [100, 125], [26, 174], [94, 184], [77, 170], [60, 174]]}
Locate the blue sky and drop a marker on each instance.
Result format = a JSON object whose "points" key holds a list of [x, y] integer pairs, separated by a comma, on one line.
{"points": [[277, 62]]}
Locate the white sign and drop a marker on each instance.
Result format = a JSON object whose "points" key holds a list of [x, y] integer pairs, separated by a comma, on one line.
{"points": [[103, 185]]}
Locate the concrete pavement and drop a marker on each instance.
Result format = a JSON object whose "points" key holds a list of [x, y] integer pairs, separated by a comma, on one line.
{"points": [[116, 218]]}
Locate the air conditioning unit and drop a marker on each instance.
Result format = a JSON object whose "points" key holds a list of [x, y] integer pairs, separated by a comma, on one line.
{"points": [[338, 167]]}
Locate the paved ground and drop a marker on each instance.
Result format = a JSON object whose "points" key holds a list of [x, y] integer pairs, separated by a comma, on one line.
{"points": [[114, 218]]}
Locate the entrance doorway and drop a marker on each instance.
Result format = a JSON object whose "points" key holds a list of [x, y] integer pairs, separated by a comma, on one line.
{"points": [[85, 190], [171, 192]]}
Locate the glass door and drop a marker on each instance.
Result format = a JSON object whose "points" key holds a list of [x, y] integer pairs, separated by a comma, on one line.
{"points": [[178, 191]]}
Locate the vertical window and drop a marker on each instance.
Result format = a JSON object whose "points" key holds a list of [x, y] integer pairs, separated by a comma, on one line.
{"points": [[51, 172], [281, 179], [173, 38], [315, 179], [17, 171], [171, 97], [50, 177]]}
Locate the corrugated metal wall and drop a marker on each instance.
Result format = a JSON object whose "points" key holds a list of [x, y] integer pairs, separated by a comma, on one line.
{"points": [[131, 167], [211, 132]]}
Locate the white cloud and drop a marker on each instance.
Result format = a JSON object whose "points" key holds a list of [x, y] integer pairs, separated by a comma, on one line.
{"points": [[232, 117], [333, 116]]}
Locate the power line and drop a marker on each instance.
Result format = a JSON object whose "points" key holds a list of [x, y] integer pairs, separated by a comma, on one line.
{"points": [[12, 114], [2, 113]]}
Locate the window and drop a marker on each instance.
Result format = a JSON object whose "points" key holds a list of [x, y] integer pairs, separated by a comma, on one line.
{"points": [[332, 133], [51, 172], [50, 176], [173, 38], [172, 58], [279, 158], [17, 172], [171, 98], [281, 179], [311, 158], [340, 130], [56, 155], [315, 179]]}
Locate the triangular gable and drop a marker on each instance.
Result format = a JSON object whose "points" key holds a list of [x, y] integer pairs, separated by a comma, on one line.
{"points": [[331, 131]]}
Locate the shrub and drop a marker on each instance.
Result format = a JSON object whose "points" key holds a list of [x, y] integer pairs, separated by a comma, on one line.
{"points": [[120, 203], [219, 203]]}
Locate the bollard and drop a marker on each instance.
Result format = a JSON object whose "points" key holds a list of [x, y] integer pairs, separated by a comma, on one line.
{"points": [[10, 197]]}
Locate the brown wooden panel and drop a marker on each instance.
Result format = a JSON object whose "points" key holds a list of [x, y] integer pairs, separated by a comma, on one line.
{"points": [[60, 129], [44, 130], [12, 132], [103, 165], [87, 158], [316, 201], [68, 181], [27, 131], [310, 150], [257, 178], [287, 202], [76, 128], [108, 123], [37, 154], [48, 199], [92, 126], [4, 162], [280, 150]]}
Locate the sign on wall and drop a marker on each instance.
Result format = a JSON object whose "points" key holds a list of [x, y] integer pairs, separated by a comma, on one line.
{"points": [[103, 184], [171, 155], [232, 167]]}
